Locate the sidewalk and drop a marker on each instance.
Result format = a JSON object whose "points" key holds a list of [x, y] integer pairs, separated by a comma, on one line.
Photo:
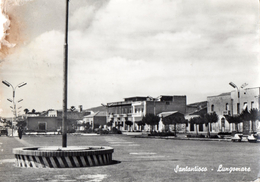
{"points": [[183, 136]]}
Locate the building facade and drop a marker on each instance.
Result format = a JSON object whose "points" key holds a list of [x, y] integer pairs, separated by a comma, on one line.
{"points": [[135, 108], [233, 103]]}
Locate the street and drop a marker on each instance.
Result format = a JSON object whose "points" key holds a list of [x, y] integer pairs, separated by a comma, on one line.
{"points": [[141, 159]]}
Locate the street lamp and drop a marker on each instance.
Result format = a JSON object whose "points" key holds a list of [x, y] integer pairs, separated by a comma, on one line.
{"points": [[238, 93], [13, 101]]}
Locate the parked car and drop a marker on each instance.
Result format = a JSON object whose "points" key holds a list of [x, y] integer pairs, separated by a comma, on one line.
{"points": [[3, 131], [236, 138], [253, 138]]}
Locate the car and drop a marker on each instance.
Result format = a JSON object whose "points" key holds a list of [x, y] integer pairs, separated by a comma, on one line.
{"points": [[236, 138], [254, 138], [3, 131]]}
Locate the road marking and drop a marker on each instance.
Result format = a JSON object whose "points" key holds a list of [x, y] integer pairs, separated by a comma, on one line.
{"points": [[142, 153], [121, 142], [2, 150], [93, 178], [23, 142], [129, 145], [7, 161], [150, 156]]}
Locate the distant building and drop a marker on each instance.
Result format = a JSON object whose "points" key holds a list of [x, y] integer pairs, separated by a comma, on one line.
{"points": [[233, 103], [96, 119], [51, 120], [195, 110], [134, 108]]}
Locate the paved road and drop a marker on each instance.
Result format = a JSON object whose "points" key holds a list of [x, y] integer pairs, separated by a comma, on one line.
{"points": [[141, 159]]}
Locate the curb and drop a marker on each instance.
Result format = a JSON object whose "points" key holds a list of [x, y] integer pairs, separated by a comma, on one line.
{"points": [[177, 138]]}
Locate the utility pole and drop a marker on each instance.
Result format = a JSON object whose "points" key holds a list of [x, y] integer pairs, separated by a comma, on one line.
{"points": [[65, 80]]}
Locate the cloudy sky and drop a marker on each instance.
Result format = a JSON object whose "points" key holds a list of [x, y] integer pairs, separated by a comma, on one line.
{"points": [[125, 48]]}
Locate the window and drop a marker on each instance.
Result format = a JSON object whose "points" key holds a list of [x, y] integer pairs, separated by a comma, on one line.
{"points": [[227, 107], [42, 126], [191, 127], [238, 108], [245, 105], [200, 127], [252, 104], [223, 122], [212, 107]]}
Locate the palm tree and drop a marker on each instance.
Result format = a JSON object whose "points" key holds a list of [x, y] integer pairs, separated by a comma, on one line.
{"points": [[210, 118]]}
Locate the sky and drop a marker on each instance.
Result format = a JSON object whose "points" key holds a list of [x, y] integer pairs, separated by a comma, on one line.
{"points": [[125, 48]]}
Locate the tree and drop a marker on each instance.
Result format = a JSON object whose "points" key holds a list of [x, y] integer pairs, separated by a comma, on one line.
{"points": [[246, 117], [151, 119], [26, 111], [174, 119], [72, 108], [254, 116], [128, 123], [21, 124], [210, 118], [197, 121], [140, 124], [234, 119]]}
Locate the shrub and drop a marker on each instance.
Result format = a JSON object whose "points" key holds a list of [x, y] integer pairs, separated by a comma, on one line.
{"points": [[71, 131], [115, 131], [224, 133], [195, 136], [154, 133]]}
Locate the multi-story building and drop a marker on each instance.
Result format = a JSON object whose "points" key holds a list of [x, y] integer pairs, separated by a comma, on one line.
{"points": [[134, 108], [233, 103]]}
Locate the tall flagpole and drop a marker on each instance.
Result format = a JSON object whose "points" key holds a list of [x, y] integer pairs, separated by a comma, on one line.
{"points": [[65, 80]]}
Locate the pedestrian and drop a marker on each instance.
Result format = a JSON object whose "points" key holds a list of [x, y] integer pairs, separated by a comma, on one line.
{"points": [[20, 132]]}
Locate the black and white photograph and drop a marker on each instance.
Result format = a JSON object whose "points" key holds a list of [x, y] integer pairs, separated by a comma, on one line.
{"points": [[129, 90]]}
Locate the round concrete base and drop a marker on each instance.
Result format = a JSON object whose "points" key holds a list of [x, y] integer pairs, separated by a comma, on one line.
{"points": [[58, 157]]}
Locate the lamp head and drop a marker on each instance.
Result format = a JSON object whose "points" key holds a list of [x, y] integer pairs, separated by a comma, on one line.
{"points": [[233, 85], [6, 83], [244, 85], [21, 84], [9, 100]]}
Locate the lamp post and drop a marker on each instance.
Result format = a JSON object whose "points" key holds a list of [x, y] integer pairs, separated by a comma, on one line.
{"points": [[65, 80], [238, 94], [13, 101]]}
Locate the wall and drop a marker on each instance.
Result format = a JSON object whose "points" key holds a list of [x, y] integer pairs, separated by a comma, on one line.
{"points": [[100, 120], [222, 105], [249, 96], [177, 104], [52, 123]]}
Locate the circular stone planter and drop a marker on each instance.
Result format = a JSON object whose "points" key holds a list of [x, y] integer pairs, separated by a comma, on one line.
{"points": [[58, 157]]}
